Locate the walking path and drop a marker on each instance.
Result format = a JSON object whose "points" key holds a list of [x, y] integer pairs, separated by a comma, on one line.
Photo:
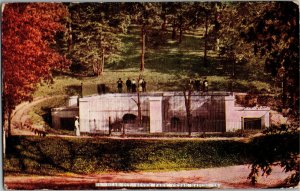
{"points": [[225, 177], [21, 115]]}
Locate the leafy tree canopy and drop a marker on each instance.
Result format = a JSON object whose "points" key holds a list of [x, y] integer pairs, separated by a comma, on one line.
{"points": [[28, 30]]}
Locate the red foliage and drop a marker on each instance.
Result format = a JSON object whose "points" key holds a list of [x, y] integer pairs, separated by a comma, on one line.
{"points": [[28, 30]]}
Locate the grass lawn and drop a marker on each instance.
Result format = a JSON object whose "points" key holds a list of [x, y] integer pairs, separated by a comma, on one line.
{"points": [[59, 155], [156, 81]]}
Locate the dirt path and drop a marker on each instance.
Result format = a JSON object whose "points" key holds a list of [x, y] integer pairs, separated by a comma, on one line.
{"points": [[21, 115], [225, 177]]}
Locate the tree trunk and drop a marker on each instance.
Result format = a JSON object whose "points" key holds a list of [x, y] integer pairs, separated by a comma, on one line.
{"points": [[103, 62], [100, 67], [3, 127], [143, 35], [9, 123], [284, 95], [139, 109], [233, 66], [180, 34], [205, 40], [164, 24], [187, 101], [218, 45], [295, 97], [174, 30], [95, 68], [70, 38]]}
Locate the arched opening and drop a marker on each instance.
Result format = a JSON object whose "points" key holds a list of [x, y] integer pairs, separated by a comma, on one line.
{"points": [[129, 118]]}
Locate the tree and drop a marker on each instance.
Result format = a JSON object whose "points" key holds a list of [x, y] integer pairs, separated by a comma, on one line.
{"points": [[276, 37], [176, 13], [233, 20], [94, 32], [138, 103], [28, 30], [187, 93], [269, 32], [280, 148], [204, 14], [147, 16]]}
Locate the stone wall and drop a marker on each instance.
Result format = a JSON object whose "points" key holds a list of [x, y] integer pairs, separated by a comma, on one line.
{"points": [[235, 115], [62, 112]]}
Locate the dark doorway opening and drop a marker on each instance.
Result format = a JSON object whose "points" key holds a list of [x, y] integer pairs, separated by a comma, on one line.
{"points": [[67, 123], [252, 123]]}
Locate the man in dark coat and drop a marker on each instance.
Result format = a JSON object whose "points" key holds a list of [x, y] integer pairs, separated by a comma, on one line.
{"points": [[120, 85], [128, 85]]}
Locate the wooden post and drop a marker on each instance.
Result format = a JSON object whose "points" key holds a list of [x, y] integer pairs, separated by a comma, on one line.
{"points": [[109, 126], [243, 125], [81, 90], [123, 127]]}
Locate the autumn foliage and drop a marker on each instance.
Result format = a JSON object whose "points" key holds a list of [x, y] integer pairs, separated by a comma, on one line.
{"points": [[28, 30]]}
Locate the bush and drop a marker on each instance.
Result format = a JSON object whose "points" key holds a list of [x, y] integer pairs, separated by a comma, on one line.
{"points": [[278, 148]]}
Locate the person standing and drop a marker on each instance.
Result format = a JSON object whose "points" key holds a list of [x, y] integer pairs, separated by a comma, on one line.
{"points": [[140, 85], [197, 85], [120, 85], [77, 129], [205, 85], [133, 85], [191, 84], [128, 85], [144, 85]]}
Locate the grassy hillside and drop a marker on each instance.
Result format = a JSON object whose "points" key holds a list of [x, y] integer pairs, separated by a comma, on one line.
{"points": [[166, 67]]}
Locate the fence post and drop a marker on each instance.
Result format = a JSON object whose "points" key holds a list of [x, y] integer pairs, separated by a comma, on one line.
{"points": [[109, 126], [243, 125], [123, 127]]}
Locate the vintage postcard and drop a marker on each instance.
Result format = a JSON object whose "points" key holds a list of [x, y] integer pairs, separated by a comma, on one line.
{"points": [[150, 95]]}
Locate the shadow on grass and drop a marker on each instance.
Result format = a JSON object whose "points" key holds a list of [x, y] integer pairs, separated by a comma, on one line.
{"points": [[171, 58]]}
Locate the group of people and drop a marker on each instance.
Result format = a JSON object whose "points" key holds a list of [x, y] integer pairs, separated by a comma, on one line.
{"points": [[199, 85], [132, 85]]}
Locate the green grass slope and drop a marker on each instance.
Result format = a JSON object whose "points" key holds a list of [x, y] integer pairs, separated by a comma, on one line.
{"points": [[166, 67]]}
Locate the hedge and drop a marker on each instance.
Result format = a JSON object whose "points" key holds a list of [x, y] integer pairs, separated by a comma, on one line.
{"points": [[48, 155]]}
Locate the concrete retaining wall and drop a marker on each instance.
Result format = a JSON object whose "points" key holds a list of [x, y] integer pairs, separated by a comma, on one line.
{"points": [[62, 112], [219, 110]]}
